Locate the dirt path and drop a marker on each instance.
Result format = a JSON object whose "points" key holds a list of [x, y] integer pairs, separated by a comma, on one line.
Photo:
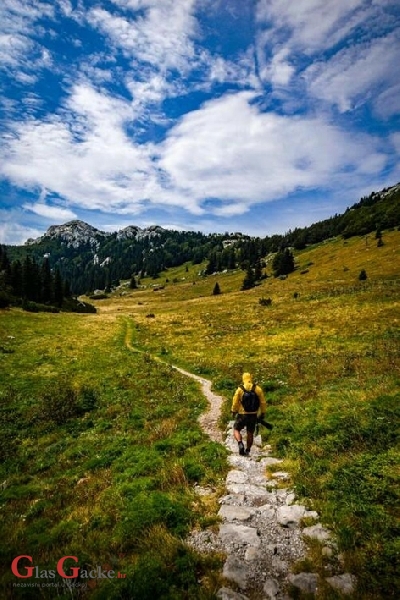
{"points": [[260, 531], [209, 419]]}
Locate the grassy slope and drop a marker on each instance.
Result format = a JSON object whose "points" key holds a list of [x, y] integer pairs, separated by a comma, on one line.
{"points": [[327, 359], [87, 469]]}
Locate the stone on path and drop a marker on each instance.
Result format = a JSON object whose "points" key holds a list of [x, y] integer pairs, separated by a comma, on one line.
{"points": [[239, 534], [317, 532], [247, 490], [290, 516], [235, 570], [306, 582], [227, 594], [235, 513], [271, 588], [237, 476], [252, 554], [344, 583], [282, 475]]}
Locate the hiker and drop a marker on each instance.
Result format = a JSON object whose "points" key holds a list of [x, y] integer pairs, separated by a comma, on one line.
{"points": [[247, 402]]}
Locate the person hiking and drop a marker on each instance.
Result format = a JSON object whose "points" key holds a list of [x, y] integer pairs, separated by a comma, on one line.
{"points": [[247, 402]]}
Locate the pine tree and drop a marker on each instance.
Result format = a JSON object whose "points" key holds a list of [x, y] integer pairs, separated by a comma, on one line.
{"points": [[283, 263], [58, 288], [16, 279], [217, 289], [258, 271], [46, 280], [249, 280]]}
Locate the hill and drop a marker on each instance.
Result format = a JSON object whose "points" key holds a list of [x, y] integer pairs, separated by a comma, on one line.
{"points": [[90, 259], [100, 446]]}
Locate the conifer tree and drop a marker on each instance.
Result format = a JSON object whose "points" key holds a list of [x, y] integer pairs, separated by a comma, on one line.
{"points": [[217, 289], [249, 280], [283, 263], [258, 271], [46, 282], [58, 288]]}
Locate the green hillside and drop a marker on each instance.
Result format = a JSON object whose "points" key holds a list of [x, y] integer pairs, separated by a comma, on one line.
{"points": [[100, 446]]}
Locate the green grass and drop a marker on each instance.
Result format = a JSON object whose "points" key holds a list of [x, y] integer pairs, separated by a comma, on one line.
{"points": [[85, 466], [100, 449]]}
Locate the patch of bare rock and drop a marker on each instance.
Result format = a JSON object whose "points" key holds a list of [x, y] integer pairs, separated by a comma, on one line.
{"points": [[261, 535]]}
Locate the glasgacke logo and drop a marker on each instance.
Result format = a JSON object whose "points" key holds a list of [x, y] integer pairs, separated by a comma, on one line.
{"points": [[75, 571]]}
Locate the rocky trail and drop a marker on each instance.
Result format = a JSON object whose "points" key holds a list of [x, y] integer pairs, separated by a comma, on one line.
{"points": [[260, 531]]}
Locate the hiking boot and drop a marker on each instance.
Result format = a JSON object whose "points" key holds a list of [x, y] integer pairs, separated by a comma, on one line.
{"points": [[247, 451], [241, 448]]}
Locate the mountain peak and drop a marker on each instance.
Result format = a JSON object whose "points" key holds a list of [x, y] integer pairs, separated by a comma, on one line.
{"points": [[76, 233], [73, 234]]}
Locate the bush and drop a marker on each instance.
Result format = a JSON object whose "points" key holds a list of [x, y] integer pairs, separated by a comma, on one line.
{"points": [[363, 275], [265, 301], [59, 403], [36, 307]]}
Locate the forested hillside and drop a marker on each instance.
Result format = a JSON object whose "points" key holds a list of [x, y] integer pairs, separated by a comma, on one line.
{"points": [[87, 259]]}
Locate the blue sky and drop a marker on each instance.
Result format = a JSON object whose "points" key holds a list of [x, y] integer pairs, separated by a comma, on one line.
{"points": [[215, 115]]}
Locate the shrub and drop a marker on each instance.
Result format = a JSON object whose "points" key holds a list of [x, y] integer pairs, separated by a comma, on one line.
{"points": [[59, 403], [363, 275], [36, 307], [265, 301]]}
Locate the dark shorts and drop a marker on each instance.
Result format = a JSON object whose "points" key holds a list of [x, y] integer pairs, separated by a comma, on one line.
{"points": [[248, 421]]}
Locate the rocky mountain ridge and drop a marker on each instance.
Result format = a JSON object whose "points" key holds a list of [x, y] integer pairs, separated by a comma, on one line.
{"points": [[77, 233]]}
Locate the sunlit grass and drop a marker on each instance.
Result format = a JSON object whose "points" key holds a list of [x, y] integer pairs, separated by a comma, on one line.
{"points": [[326, 352]]}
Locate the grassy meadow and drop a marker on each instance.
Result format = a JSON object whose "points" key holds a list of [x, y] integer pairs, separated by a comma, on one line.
{"points": [[100, 444]]}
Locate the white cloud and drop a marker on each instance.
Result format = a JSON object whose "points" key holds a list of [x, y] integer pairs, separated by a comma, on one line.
{"points": [[278, 70], [86, 157], [13, 233], [18, 19], [52, 213], [160, 37], [387, 104], [227, 150], [231, 151], [313, 24], [352, 74], [350, 50]]}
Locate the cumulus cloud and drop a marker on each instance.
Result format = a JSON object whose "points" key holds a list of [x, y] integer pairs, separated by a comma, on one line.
{"points": [[228, 150], [51, 213], [335, 19], [232, 151], [86, 157], [12, 232], [268, 132]]}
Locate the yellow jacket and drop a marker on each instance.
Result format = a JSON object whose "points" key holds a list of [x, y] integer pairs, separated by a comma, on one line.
{"points": [[248, 384]]}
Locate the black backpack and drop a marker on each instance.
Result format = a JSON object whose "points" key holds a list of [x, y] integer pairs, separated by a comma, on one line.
{"points": [[250, 401]]}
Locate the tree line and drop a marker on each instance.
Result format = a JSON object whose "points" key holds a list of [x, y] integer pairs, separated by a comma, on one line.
{"points": [[103, 265], [35, 286]]}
